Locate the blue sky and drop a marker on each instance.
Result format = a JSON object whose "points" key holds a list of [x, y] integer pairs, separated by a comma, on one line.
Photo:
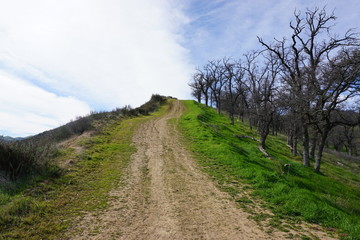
{"points": [[62, 59]]}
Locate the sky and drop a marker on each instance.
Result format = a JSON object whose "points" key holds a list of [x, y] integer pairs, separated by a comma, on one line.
{"points": [[63, 59]]}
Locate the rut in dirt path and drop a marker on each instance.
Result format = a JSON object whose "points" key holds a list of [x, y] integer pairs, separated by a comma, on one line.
{"points": [[166, 196]]}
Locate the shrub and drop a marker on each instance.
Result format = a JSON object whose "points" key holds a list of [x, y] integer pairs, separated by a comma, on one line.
{"points": [[152, 105], [20, 158]]}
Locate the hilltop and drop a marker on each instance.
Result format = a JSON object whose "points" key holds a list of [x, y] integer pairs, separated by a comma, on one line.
{"points": [[181, 172]]}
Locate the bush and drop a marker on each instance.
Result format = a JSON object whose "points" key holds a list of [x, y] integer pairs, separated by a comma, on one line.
{"points": [[20, 158], [155, 102]]}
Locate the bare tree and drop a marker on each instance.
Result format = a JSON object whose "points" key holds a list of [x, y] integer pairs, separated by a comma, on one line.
{"points": [[339, 83], [261, 79], [235, 85], [195, 86], [302, 59], [215, 73], [200, 86]]}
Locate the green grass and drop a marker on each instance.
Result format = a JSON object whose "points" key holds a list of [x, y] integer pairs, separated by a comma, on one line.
{"points": [[331, 199], [44, 207]]}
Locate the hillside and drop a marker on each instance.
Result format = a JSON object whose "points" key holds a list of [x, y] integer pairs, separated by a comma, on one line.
{"points": [[182, 172], [30, 156], [292, 192]]}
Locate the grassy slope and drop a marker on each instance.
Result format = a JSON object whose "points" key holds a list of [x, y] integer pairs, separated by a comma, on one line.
{"points": [[295, 194], [44, 207]]}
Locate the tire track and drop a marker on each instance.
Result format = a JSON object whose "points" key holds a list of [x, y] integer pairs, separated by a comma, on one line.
{"points": [[165, 195]]}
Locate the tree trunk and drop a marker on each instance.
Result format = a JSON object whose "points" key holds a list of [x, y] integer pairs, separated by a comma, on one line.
{"points": [[199, 98], [232, 113], [313, 146], [217, 103], [232, 118], [263, 141], [349, 147], [306, 160], [263, 135], [294, 146], [264, 125], [319, 153], [318, 157], [290, 138], [321, 148], [218, 106]]}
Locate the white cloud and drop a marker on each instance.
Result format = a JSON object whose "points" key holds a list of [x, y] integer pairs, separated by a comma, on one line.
{"points": [[107, 53], [26, 109]]}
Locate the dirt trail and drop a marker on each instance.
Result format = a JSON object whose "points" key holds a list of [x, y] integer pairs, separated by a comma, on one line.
{"points": [[166, 196]]}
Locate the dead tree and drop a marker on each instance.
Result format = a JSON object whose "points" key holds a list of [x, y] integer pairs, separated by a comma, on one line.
{"points": [[339, 82], [235, 85], [261, 80], [301, 60], [215, 73], [200, 86]]}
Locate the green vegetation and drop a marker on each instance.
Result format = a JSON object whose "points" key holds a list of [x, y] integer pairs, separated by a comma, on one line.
{"points": [[44, 210], [32, 155], [42, 206], [292, 192]]}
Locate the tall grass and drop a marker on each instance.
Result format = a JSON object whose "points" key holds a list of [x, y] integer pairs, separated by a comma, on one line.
{"points": [[291, 190]]}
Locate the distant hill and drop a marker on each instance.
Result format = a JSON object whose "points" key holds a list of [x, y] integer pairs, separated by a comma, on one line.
{"points": [[10, 139]]}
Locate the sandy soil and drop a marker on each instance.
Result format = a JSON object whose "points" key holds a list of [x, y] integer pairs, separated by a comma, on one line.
{"points": [[165, 195]]}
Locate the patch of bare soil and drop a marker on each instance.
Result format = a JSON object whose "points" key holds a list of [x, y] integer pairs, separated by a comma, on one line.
{"points": [[165, 195], [72, 143]]}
